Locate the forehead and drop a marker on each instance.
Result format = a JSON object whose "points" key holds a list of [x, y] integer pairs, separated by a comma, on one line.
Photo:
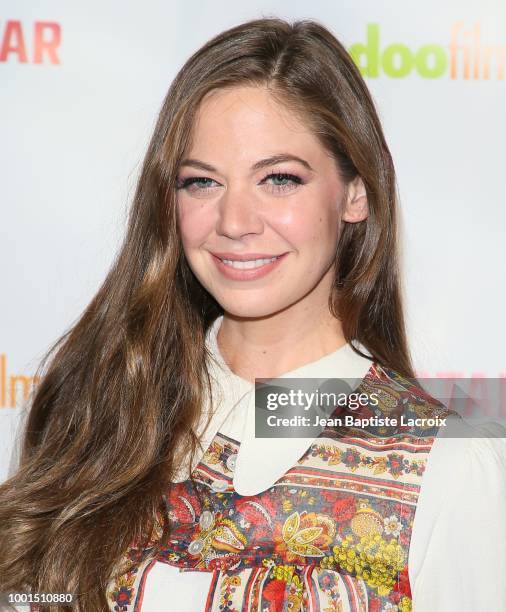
{"points": [[246, 99], [252, 116]]}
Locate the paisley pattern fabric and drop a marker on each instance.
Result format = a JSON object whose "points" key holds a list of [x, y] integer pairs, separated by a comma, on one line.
{"points": [[332, 534]]}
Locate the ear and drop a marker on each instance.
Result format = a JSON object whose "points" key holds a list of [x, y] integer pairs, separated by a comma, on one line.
{"points": [[355, 206]]}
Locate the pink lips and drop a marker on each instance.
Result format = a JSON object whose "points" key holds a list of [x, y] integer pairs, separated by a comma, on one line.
{"points": [[251, 274]]}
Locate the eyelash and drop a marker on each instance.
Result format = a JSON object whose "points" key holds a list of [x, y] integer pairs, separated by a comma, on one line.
{"points": [[184, 184]]}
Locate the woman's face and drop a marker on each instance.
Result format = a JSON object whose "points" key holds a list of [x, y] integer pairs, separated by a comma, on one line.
{"points": [[257, 185]]}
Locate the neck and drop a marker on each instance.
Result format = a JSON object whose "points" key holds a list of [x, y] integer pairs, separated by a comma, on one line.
{"points": [[267, 347]]}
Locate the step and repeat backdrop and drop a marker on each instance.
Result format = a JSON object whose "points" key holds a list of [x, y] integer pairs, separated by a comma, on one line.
{"points": [[82, 83]]}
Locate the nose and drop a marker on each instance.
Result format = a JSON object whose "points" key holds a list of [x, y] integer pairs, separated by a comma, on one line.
{"points": [[239, 213]]}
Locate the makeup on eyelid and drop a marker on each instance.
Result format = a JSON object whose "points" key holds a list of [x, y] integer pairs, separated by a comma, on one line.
{"points": [[185, 183]]}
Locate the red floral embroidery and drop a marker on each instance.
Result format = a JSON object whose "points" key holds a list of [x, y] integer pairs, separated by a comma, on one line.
{"points": [[344, 509]]}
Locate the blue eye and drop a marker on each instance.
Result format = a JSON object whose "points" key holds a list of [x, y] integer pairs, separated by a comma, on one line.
{"points": [[194, 180], [283, 182], [287, 182]]}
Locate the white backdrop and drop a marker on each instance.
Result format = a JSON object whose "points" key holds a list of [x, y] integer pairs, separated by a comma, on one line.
{"points": [[82, 84]]}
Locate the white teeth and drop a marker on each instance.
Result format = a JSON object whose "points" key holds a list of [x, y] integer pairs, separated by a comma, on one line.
{"points": [[249, 264]]}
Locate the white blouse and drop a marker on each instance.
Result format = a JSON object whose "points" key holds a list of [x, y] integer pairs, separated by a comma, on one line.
{"points": [[457, 554]]}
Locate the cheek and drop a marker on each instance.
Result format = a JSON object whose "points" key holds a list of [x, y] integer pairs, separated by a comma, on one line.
{"points": [[313, 223], [195, 222]]}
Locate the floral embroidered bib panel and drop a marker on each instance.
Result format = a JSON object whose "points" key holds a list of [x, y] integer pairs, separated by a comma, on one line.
{"points": [[332, 534]]}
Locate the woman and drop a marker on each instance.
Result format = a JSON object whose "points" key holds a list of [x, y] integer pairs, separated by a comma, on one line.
{"points": [[261, 243]]}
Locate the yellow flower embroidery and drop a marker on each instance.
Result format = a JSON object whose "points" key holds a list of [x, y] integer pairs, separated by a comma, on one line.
{"points": [[372, 558]]}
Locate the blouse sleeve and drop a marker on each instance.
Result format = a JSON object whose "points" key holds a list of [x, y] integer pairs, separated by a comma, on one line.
{"points": [[458, 547]]}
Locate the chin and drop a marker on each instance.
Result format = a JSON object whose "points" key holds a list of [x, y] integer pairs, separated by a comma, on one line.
{"points": [[250, 308]]}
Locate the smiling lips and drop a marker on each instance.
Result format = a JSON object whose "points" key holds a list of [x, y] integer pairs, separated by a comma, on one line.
{"points": [[247, 266]]}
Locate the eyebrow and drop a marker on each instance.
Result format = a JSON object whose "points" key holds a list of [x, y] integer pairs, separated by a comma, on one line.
{"points": [[263, 163]]}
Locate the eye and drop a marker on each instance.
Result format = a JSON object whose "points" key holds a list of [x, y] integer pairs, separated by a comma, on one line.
{"points": [[200, 184], [282, 181]]}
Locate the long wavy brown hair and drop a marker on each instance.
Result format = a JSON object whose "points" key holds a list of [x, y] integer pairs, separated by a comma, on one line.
{"points": [[122, 389]]}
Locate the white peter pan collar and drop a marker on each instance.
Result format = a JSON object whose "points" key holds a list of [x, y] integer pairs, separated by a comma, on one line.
{"points": [[261, 462]]}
